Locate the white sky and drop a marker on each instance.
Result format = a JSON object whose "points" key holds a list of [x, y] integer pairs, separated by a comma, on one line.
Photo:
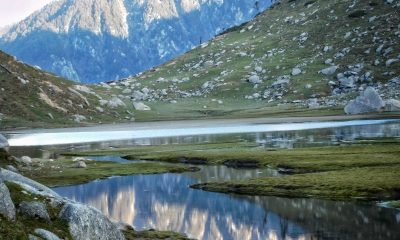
{"points": [[12, 11]]}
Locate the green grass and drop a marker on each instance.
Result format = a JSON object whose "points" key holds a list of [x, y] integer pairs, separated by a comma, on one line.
{"points": [[153, 234], [62, 172], [367, 184]]}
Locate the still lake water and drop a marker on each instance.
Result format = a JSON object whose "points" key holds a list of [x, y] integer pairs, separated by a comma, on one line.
{"points": [[165, 201]]}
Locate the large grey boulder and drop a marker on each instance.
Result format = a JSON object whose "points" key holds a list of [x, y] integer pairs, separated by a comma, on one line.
{"points": [[369, 101], [141, 106], [7, 208], [3, 142], [46, 234], [28, 184], [86, 223], [392, 105], [80, 164], [35, 210]]}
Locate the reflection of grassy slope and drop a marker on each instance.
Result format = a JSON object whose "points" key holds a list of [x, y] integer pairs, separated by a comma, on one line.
{"points": [[367, 169]]}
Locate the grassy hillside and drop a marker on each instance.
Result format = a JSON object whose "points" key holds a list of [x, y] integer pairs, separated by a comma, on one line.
{"points": [[359, 37], [299, 58]]}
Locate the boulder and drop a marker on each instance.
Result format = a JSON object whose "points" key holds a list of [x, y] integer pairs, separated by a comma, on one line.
{"points": [[255, 79], [88, 223], [329, 70], [12, 168], [25, 160], [28, 184], [296, 71], [3, 142], [141, 106], [369, 101], [36, 210], [392, 105], [80, 164], [7, 208], [115, 102], [46, 234]]}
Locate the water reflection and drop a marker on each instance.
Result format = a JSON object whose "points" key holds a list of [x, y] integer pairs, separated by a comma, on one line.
{"points": [[165, 202]]}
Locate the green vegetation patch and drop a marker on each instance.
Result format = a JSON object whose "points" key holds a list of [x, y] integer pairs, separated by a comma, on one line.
{"points": [[62, 172], [371, 183], [153, 234]]}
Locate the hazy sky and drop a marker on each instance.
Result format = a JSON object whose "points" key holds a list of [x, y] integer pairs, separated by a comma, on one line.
{"points": [[12, 11]]}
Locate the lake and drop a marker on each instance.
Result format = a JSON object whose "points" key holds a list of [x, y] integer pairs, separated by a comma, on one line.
{"points": [[165, 201]]}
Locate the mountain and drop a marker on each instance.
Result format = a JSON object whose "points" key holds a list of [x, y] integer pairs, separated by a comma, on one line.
{"points": [[298, 58], [99, 40]]}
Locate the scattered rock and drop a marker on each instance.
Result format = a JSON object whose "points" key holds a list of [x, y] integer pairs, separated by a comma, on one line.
{"points": [[296, 71], [115, 102], [369, 101], [46, 234], [391, 61], [36, 210], [78, 118], [88, 223], [80, 164], [392, 105], [255, 79], [25, 160], [7, 208], [329, 70], [140, 106]]}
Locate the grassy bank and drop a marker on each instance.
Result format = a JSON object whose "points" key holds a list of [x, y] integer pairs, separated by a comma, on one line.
{"points": [[62, 172], [363, 170]]}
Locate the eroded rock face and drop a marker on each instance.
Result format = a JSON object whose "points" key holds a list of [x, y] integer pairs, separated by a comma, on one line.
{"points": [[7, 208], [369, 101], [88, 223], [35, 210]]}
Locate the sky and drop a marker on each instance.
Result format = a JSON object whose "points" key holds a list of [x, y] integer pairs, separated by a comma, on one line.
{"points": [[12, 11]]}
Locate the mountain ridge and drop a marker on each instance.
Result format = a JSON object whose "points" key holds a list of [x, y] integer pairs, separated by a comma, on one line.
{"points": [[119, 38]]}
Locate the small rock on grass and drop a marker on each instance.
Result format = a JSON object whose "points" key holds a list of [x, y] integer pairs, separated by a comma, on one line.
{"points": [[46, 234]]}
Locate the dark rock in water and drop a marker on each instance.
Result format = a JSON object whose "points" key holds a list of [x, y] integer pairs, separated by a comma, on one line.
{"points": [[242, 163], [192, 160], [35, 210], [46, 234], [88, 223], [368, 102], [7, 208]]}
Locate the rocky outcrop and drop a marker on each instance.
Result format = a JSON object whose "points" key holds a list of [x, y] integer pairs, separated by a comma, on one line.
{"points": [[369, 101], [7, 208], [28, 184], [392, 105], [36, 210], [84, 222], [46, 234], [88, 223], [3, 142]]}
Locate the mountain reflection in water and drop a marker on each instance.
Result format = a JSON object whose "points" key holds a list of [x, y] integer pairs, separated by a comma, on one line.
{"points": [[165, 202]]}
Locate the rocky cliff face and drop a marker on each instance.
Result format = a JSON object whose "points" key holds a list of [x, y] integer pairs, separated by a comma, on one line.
{"points": [[98, 40]]}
